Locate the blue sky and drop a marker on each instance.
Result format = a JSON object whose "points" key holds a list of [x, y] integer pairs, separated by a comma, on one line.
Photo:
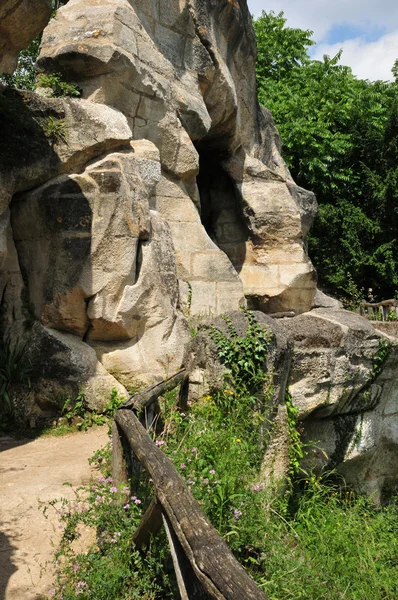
{"points": [[366, 30]]}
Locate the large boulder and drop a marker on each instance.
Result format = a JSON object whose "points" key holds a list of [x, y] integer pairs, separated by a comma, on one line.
{"points": [[20, 22], [341, 375]]}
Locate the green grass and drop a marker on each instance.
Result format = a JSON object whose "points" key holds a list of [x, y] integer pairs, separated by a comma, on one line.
{"points": [[317, 541]]}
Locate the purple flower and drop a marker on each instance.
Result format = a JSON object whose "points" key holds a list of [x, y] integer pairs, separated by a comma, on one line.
{"points": [[101, 479], [137, 501], [194, 450], [159, 442], [126, 506], [182, 466], [237, 514], [113, 490], [212, 472], [109, 480], [52, 592], [76, 567], [257, 487]]}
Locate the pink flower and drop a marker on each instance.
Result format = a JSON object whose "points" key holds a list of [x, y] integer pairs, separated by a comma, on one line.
{"points": [[237, 514], [126, 506], [76, 567], [52, 592], [194, 450], [113, 490], [137, 501], [182, 466], [212, 472], [159, 442]]}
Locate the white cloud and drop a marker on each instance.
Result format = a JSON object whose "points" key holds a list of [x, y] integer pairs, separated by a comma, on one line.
{"points": [[321, 15], [372, 60]]}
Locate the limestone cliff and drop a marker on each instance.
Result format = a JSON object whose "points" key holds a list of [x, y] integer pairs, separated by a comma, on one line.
{"points": [[158, 195], [163, 187]]}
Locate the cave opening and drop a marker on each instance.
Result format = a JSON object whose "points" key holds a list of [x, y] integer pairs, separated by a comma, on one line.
{"points": [[220, 205]]}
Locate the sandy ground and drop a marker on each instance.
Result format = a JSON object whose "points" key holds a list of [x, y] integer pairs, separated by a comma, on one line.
{"points": [[33, 470]]}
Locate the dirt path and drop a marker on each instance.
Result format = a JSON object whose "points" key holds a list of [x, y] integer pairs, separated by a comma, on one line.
{"points": [[31, 470]]}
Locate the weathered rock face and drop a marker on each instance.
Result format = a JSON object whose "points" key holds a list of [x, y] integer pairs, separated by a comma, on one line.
{"points": [[184, 76], [20, 22], [342, 375], [162, 193], [159, 197]]}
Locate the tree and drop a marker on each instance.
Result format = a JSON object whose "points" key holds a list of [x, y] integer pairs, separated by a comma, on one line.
{"points": [[339, 136]]}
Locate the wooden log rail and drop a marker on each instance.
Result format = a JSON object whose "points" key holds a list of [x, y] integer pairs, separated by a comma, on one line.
{"points": [[205, 566], [379, 309]]}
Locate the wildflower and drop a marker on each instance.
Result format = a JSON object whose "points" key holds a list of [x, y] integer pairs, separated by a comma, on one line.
{"points": [[137, 501], [194, 450], [231, 393], [52, 592], [189, 403], [212, 472], [126, 506], [101, 479], [238, 440], [76, 567], [80, 587], [159, 442], [182, 466], [109, 480], [113, 490], [237, 514], [99, 498], [190, 482]]}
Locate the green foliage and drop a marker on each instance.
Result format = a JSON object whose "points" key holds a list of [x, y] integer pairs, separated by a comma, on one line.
{"points": [[318, 542], [381, 357], [339, 138], [296, 450], [56, 83], [24, 77], [110, 568], [14, 369], [54, 129], [244, 356], [76, 416]]}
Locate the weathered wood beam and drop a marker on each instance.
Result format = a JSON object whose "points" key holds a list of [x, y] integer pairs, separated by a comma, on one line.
{"points": [[220, 574], [189, 585], [149, 526], [141, 400], [119, 467]]}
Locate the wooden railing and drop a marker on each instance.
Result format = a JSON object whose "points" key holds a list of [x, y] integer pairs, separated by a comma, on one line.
{"points": [[204, 565], [379, 311]]}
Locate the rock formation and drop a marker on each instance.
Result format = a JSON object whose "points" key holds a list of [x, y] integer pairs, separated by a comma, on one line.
{"points": [[20, 22], [341, 374], [159, 196]]}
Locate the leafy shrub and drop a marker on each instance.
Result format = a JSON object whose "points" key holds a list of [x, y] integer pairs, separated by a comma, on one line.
{"points": [[14, 369], [56, 83]]}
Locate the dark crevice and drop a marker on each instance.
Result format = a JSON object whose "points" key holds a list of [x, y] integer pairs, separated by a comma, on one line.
{"points": [[221, 209], [138, 260]]}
